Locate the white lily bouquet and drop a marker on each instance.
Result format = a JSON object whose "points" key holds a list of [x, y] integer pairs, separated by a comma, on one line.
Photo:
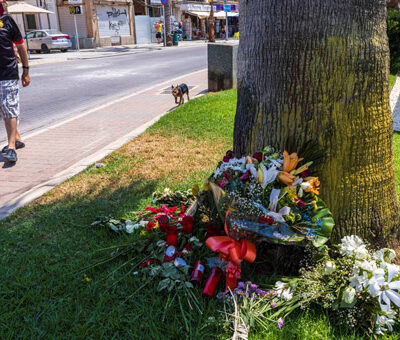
{"points": [[359, 287]]}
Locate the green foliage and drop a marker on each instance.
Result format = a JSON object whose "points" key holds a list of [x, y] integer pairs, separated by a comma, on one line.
{"points": [[393, 31]]}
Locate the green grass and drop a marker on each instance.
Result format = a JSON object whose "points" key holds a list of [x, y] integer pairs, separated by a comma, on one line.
{"points": [[392, 79], [45, 247]]}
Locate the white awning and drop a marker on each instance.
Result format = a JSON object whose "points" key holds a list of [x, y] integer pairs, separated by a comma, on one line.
{"points": [[218, 15], [22, 7]]}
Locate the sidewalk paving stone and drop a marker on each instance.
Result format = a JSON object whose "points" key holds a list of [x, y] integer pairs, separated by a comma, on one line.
{"points": [[54, 150]]}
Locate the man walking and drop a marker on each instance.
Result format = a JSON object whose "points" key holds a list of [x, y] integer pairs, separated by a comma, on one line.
{"points": [[9, 90]]}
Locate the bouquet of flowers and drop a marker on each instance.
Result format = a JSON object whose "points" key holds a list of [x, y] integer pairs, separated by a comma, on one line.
{"points": [[361, 287], [272, 196]]}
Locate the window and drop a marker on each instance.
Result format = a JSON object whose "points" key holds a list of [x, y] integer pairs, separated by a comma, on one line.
{"points": [[40, 34], [30, 35], [30, 21]]}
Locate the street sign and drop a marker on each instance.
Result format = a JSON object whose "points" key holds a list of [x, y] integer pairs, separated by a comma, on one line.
{"points": [[227, 8], [75, 9], [74, 2], [164, 2]]}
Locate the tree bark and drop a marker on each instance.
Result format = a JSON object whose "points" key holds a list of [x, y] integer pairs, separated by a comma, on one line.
{"points": [[319, 72], [211, 23]]}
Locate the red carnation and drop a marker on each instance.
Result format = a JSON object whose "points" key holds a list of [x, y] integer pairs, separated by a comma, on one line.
{"points": [[300, 203], [150, 226], [266, 220], [188, 247], [245, 177], [258, 156], [222, 183], [226, 175]]}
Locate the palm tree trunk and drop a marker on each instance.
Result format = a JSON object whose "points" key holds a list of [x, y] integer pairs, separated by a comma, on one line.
{"points": [[319, 72], [211, 21], [167, 9]]}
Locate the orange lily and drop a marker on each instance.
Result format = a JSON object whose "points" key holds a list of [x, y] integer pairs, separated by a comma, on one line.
{"points": [[290, 161], [314, 185], [286, 178]]}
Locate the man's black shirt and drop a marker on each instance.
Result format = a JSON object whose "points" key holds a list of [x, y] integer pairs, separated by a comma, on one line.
{"points": [[9, 33]]}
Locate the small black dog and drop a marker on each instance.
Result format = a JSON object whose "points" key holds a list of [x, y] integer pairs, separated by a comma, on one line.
{"points": [[178, 92]]}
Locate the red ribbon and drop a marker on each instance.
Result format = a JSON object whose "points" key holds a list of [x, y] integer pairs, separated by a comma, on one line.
{"points": [[234, 252]]}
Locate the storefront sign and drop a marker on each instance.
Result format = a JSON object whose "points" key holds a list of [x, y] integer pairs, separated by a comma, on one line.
{"points": [[113, 21], [74, 2], [227, 8]]}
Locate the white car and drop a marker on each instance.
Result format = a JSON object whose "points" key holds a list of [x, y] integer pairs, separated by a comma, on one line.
{"points": [[43, 41]]}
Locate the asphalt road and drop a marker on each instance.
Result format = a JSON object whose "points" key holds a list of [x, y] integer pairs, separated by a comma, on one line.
{"points": [[62, 90]]}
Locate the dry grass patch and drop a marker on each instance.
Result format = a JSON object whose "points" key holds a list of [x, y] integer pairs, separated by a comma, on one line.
{"points": [[150, 157], [160, 157]]}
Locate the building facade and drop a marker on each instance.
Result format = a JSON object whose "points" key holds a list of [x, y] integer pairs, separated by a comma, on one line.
{"points": [[102, 22]]}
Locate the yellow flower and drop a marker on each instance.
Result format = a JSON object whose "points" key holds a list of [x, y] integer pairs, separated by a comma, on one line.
{"points": [[88, 279], [292, 194], [314, 185], [1, 24], [143, 233], [290, 161], [156, 226]]}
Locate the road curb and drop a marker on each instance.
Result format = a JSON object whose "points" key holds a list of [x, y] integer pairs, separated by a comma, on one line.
{"points": [[42, 188]]}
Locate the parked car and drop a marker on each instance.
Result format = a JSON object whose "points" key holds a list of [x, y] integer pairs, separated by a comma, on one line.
{"points": [[43, 41]]}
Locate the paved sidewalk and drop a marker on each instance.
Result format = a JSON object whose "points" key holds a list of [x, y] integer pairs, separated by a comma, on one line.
{"points": [[104, 52], [59, 152]]}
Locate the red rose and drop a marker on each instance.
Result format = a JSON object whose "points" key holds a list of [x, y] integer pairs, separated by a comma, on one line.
{"points": [[306, 173], [258, 156], [228, 156], [266, 220]]}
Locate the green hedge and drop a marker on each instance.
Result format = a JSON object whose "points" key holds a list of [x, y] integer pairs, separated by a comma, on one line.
{"points": [[393, 31]]}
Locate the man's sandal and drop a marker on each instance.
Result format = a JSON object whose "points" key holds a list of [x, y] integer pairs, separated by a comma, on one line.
{"points": [[18, 145]]}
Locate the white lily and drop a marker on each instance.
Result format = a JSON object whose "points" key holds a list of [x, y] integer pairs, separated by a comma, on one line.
{"points": [[384, 255], [385, 290], [383, 321], [252, 169], [273, 199], [264, 176], [287, 295]]}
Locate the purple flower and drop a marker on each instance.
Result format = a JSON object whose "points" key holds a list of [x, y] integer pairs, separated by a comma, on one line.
{"points": [[273, 304], [253, 286], [280, 323], [241, 285]]}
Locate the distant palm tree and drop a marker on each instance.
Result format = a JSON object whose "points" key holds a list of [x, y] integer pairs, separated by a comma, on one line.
{"points": [[167, 9]]}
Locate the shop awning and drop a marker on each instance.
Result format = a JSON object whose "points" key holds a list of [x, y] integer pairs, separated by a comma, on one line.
{"points": [[218, 15]]}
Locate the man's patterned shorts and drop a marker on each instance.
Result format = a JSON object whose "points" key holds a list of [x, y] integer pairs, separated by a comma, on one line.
{"points": [[9, 99]]}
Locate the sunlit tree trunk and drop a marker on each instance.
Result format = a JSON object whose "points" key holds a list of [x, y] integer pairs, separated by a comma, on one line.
{"points": [[211, 21], [319, 72]]}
